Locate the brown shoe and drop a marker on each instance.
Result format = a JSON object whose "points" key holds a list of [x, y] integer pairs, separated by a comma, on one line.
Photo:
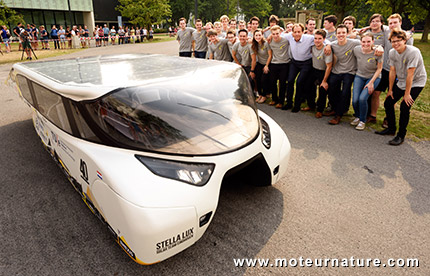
{"points": [[371, 120], [318, 115], [272, 103], [278, 105], [307, 108], [262, 100], [335, 120], [329, 113]]}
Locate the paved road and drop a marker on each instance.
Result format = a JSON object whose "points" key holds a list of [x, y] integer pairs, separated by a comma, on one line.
{"points": [[346, 193]]}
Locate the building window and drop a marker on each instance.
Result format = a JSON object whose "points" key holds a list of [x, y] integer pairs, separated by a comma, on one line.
{"points": [[60, 20], [50, 20]]}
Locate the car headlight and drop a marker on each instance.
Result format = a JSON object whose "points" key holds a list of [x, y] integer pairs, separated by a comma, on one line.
{"points": [[265, 137], [192, 173]]}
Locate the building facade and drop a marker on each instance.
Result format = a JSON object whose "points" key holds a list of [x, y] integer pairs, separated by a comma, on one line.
{"points": [[55, 12]]}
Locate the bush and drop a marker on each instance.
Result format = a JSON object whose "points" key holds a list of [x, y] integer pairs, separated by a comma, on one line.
{"points": [[157, 31]]}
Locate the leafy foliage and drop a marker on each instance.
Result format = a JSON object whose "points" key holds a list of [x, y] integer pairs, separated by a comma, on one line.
{"points": [[259, 8], [181, 8], [420, 10], [144, 12], [340, 8], [212, 10], [8, 16]]}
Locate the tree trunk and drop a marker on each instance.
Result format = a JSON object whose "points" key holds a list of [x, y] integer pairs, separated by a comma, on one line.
{"points": [[426, 30], [340, 11]]}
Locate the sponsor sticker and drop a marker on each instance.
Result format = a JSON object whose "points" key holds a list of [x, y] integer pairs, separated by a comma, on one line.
{"points": [[126, 248], [169, 243]]}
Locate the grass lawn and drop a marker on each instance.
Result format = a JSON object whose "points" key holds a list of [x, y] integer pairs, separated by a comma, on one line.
{"points": [[15, 55]]}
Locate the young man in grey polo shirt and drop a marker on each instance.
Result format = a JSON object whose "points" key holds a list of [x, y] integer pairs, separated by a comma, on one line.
{"points": [[310, 26], [255, 22], [342, 74], [242, 51], [330, 27], [200, 40], [376, 22], [243, 54], [218, 48], [394, 21], [279, 68], [273, 20], [231, 36], [185, 38], [406, 62], [322, 65]]}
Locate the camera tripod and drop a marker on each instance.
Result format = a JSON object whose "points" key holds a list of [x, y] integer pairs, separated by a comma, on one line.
{"points": [[26, 47]]}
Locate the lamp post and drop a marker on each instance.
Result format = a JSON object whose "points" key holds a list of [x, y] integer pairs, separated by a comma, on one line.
{"points": [[70, 14]]}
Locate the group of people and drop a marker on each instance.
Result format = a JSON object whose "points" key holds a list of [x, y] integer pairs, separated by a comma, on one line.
{"points": [[123, 35], [39, 36], [292, 64], [36, 35]]}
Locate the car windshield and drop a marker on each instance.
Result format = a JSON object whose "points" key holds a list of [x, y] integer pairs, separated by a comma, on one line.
{"points": [[209, 114]]}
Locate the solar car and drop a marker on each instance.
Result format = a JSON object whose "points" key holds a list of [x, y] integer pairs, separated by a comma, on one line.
{"points": [[147, 140]]}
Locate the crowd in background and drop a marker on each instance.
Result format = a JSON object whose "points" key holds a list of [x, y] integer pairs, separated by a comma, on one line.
{"points": [[73, 37], [286, 67]]}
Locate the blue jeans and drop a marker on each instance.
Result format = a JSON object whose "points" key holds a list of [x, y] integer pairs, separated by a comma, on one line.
{"points": [[198, 54], [360, 96]]}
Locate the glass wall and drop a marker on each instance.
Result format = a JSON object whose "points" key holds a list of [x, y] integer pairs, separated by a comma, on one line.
{"points": [[75, 5], [49, 20], [60, 19]]}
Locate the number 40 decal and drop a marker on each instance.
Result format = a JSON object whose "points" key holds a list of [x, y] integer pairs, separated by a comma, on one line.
{"points": [[84, 171]]}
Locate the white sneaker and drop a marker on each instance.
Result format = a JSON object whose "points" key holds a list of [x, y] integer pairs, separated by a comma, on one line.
{"points": [[360, 126], [355, 121]]}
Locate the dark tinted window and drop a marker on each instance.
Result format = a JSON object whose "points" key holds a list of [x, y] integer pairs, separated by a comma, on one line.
{"points": [[84, 130], [24, 88], [51, 106], [207, 116]]}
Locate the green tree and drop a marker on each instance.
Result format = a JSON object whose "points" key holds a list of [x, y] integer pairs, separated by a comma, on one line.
{"points": [[181, 8], [144, 12], [388, 7], [8, 16], [212, 10], [419, 11], [259, 8], [340, 8], [287, 8]]}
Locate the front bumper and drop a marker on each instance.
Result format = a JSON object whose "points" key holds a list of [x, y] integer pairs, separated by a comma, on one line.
{"points": [[157, 218]]}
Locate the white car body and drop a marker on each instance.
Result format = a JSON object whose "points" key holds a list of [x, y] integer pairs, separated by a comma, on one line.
{"points": [[152, 217]]}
